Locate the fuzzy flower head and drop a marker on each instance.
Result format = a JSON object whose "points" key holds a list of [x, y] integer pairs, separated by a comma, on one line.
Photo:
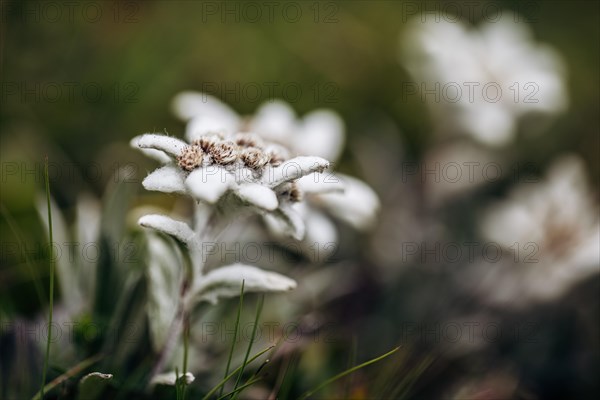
{"points": [[229, 169], [278, 130]]}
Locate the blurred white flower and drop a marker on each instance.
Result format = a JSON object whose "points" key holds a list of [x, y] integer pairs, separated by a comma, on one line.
{"points": [[318, 133], [553, 230], [170, 378], [481, 81]]}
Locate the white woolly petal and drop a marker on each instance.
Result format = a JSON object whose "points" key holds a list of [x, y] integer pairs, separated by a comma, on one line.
{"points": [[205, 124], [188, 105], [168, 144], [209, 183], [157, 155], [320, 183], [293, 169], [179, 230], [258, 195], [168, 179], [163, 274], [92, 385], [275, 121], [321, 235], [321, 133], [170, 378], [286, 221], [227, 282], [357, 206]]}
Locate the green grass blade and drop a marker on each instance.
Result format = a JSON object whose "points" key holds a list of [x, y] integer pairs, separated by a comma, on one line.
{"points": [[259, 307], [232, 373], [82, 366], [351, 362], [237, 324], [186, 340], [28, 262], [51, 260], [239, 389], [405, 386], [347, 372], [283, 386]]}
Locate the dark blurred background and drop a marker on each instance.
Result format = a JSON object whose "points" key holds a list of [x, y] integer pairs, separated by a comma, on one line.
{"points": [[80, 80]]}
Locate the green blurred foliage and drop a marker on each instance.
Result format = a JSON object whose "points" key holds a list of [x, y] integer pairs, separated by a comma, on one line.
{"points": [[139, 54]]}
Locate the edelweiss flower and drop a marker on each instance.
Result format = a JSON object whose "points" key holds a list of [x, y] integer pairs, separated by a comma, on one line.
{"points": [[481, 81], [319, 133], [554, 225], [254, 171], [223, 172]]}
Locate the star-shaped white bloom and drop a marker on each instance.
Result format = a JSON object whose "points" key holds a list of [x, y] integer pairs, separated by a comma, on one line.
{"points": [[554, 230], [214, 165], [319, 133], [481, 81]]}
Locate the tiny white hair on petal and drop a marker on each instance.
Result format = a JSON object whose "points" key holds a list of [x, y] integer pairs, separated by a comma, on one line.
{"points": [[167, 179], [177, 229], [168, 144], [258, 195], [157, 155], [320, 133], [227, 281], [209, 183], [357, 206], [293, 169], [170, 378]]}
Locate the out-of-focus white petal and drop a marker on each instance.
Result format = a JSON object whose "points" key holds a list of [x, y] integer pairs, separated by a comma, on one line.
{"points": [[167, 144], [206, 124], [357, 206], [157, 155], [163, 274], [320, 133], [320, 183], [209, 183], [168, 179], [321, 235], [275, 121], [170, 378], [258, 195], [293, 169], [188, 105], [227, 281], [286, 221], [179, 230], [490, 123]]}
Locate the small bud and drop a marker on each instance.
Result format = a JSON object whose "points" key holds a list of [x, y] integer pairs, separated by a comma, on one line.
{"points": [[224, 153], [277, 155], [207, 142], [292, 192], [254, 157], [191, 157], [247, 139]]}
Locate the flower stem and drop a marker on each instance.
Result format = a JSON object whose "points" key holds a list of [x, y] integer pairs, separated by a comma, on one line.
{"points": [[51, 300], [171, 341]]}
